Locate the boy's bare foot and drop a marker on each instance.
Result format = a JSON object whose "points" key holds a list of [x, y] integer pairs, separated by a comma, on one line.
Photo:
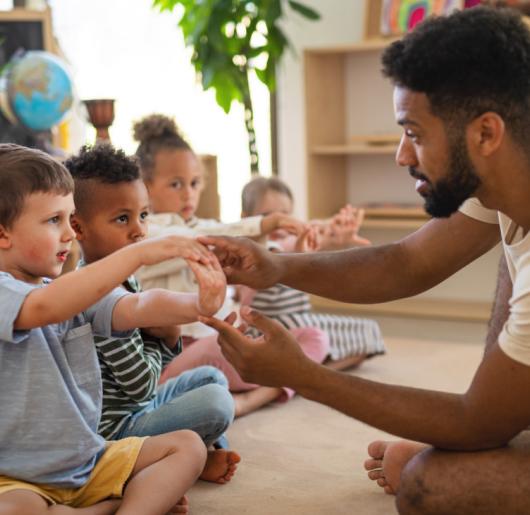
{"points": [[388, 460], [220, 466], [181, 507]]}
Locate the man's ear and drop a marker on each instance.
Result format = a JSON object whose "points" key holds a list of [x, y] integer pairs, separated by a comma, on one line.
{"points": [[77, 226], [5, 238], [486, 133]]}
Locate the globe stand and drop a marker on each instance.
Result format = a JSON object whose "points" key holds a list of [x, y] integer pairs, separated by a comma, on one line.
{"points": [[101, 116]]}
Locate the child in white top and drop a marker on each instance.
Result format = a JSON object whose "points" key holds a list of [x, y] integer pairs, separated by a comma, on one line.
{"points": [[175, 179]]}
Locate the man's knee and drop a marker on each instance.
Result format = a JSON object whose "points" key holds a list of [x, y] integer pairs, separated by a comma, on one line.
{"points": [[416, 495]]}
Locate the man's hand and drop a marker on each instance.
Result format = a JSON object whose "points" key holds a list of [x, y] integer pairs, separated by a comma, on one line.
{"points": [[169, 334], [155, 250], [212, 286], [273, 359], [244, 261]]}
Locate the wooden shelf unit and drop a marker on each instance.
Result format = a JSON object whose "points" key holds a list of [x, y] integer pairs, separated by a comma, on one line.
{"points": [[348, 106], [434, 309]]}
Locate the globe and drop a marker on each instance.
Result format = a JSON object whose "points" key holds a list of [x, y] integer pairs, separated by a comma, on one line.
{"points": [[35, 90]]}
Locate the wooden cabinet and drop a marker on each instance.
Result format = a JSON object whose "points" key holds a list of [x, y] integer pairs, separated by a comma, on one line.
{"points": [[351, 140]]}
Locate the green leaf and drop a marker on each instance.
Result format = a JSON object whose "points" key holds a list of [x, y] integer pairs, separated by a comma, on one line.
{"points": [[304, 10], [165, 5]]}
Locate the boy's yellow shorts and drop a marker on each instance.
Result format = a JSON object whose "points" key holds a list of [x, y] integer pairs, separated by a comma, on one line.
{"points": [[108, 478]]}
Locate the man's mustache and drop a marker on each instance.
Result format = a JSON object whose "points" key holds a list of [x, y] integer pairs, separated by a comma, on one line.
{"points": [[417, 175]]}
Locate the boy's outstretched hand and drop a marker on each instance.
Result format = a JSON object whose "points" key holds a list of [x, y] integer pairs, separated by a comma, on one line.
{"points": [[273, 359], [212, 285], [155, 250], [244, 261]]}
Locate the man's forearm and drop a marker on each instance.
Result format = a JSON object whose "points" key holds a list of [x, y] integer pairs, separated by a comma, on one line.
{"points": [[388, 272], [436, 418], [367, 275]]}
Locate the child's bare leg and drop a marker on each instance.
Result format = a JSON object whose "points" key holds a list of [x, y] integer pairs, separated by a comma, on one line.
{"points": [[167, 466], [220, 466], [24, 502], [247, 402]]}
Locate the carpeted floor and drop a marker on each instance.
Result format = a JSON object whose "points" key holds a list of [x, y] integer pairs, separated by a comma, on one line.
{"points": [[306, 459]]}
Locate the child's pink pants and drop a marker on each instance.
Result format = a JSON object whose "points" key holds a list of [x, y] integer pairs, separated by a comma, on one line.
{"points": [[206, 351]]}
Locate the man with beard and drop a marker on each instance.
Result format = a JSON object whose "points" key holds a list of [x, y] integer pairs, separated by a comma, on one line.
{"points": [[462, 96]]}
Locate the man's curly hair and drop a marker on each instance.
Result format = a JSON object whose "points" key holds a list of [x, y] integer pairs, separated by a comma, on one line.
{"points": [[103, 164], [468, 63]]}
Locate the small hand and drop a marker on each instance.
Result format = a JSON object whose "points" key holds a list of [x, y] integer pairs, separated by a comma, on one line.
{"points": [[278, 222], [308, 241], [212, 286], [273, 359], [342, 230]]}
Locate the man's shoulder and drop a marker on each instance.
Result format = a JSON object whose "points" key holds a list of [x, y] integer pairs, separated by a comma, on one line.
{"points": [[473, 208]]}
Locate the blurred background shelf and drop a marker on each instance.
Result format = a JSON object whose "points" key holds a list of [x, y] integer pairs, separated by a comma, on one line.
{"points": [[435, 309]]}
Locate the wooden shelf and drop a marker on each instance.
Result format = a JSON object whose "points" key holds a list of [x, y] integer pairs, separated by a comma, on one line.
{"points": [[353, 149], [393, 223], [393, 211], [418, 307], [368, 45]]}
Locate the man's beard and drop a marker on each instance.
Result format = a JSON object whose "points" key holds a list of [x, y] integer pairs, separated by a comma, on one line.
{"points": [[449, 193]]}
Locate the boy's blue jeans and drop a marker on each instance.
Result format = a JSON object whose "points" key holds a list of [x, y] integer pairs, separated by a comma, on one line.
{"points": [[197, 399]]}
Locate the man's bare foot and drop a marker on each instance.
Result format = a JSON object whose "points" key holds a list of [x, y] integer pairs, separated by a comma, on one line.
{"points": [[220, 466], [182, 506], [388, 460]]}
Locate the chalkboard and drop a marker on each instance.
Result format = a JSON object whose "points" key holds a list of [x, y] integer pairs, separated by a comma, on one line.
{"points": [[23, 29], [20, 35]]}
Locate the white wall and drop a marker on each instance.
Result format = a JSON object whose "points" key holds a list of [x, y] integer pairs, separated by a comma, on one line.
{"points": [[342, 22]]}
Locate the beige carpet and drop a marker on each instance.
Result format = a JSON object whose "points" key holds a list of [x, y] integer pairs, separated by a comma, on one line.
{"points": [[304, 458]]}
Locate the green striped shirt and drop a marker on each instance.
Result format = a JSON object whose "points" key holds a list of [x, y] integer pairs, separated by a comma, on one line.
{"points": [[130, 369]]}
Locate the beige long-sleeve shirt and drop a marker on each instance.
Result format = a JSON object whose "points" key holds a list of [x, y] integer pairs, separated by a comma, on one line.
{"points": [[175, 275]]}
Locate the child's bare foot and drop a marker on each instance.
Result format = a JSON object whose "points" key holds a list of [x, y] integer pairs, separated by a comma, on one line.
{"points": [[181, 507], [388, 460], [220, 466]]}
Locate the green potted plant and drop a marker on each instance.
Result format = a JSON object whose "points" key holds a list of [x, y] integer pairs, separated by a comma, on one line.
{"points": [[231, 39]]}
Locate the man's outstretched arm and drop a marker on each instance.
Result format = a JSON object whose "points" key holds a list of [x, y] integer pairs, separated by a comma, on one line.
{"points": [[364, 275], [488, 415]]}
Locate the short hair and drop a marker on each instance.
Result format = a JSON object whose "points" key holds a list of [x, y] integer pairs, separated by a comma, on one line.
{"points": [[256, 189], [154, 133], [24, 171], [468, 63], [101, 164]]}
